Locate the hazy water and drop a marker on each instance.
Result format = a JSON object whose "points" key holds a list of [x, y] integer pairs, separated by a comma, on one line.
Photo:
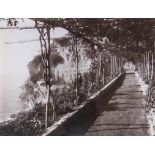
{"points": [[9, 93], [13, 68]]}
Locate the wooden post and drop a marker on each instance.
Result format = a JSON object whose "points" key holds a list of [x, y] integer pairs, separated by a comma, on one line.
{"points": [[152, 68], [48, 77], [77, 70], [103, 76], [114, 66], [119, 65], [153, 56], [153, 62], [144, 66], [148, 64], [111, 67], [100, 67]]}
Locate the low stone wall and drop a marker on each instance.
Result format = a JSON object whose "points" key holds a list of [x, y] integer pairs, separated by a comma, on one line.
{"points": [[77, 122]]}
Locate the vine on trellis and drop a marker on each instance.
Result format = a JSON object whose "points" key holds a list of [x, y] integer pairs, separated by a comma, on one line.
{"points": [[45, 44]]}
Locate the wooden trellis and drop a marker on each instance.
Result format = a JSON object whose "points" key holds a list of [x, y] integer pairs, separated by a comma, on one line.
{"points": [[46, 52]]}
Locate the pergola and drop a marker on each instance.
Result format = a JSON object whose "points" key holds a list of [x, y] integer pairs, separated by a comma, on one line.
{"points": [[92, 31]]}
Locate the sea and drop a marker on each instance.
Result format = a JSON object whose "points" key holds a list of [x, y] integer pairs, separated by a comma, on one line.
{"points": [[9, 93]]}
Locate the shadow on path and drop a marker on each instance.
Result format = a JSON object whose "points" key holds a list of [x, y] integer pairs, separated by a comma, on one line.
{"points": [[87, 117]]}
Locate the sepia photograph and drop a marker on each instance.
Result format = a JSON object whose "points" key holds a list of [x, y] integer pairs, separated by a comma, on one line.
{"points": [[77, 76]]}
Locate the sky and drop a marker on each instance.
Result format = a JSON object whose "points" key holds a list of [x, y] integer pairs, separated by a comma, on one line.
{"points": [[15, 57]]}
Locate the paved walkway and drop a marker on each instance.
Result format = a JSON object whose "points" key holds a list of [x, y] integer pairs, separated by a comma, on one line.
{"points": [[124, 114]]}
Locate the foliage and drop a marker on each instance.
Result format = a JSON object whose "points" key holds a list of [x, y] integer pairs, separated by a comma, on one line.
{"points": [[32, 122], [64, 42], [25, 123], [126, 35]]}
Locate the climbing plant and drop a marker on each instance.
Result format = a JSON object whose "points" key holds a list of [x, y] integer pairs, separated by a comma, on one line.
{"points": [[131, 39]]}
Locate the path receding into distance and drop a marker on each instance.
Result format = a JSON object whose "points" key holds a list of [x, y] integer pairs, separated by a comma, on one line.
{"points": [[124, 114]]}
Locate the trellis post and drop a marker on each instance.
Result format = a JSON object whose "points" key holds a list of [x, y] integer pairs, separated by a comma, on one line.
{"points": [[46, 51]]}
